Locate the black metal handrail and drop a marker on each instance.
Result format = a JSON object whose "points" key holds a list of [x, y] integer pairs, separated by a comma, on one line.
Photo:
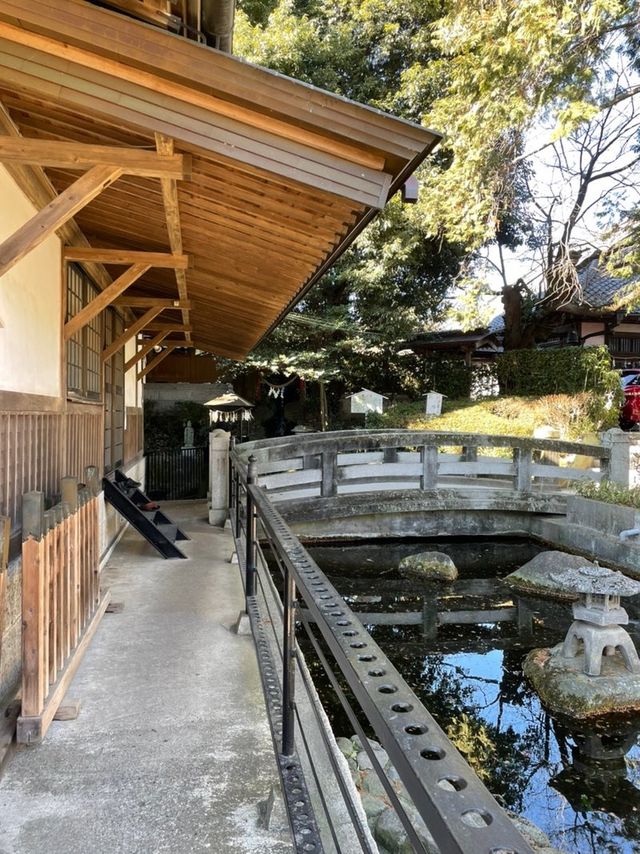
{"points": [[458, 810]]}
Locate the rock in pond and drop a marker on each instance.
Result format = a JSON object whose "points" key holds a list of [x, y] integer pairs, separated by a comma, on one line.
{"points": [[536, 576], [386, 828], [428, 566], [564, 687]]}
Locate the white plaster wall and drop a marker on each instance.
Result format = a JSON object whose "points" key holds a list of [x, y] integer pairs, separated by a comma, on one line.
{"points": [[30, 305], [131, 393]]}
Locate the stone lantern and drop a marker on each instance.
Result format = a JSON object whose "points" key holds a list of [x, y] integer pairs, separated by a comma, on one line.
{"points": [[599, 617]]}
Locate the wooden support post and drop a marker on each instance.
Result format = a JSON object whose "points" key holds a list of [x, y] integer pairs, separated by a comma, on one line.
{"points": [[329, 484], [104, 298], [55, 214], [60, 587], [5, 534], [164, 146], [69, 491], [522, 459], [132, 330], [49, 639], [33, 603], [146, 348], [32, 515], [92, 480], [429, 460]]}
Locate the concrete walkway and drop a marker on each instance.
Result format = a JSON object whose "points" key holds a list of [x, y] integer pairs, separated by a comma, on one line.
{"points": [[172, 750]]}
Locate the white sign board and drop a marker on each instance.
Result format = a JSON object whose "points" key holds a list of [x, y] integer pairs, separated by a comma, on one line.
{"points": [[434, 403], [364, 401]]}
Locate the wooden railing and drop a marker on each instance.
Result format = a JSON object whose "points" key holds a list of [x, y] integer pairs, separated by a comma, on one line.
{"points": [[358, 461], [61, 600]]}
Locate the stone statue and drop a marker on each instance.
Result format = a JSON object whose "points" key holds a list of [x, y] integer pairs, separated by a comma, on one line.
{"points": [[189, 433]]}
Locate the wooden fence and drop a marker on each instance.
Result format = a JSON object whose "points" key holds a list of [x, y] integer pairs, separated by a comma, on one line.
{"points": [[61, 599]]}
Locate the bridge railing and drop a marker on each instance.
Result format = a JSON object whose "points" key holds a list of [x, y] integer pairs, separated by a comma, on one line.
{"points": [[460, 813], [359, 461]]}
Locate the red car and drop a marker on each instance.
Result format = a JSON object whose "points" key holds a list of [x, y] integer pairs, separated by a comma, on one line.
{"points": [[630, 412]]}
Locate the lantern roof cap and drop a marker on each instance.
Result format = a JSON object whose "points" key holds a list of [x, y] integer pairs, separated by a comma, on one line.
{"points": [[598, 580]]}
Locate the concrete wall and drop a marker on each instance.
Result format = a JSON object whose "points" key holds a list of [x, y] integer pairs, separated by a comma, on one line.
{"points": [[166, 395], [30, 305]]}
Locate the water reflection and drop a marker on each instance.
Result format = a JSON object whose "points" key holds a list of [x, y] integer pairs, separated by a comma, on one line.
{"points": [[579, 783]]}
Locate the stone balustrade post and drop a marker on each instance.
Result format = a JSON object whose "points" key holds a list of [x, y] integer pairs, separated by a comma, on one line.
{"points": [[218, 476], [624, 463]]}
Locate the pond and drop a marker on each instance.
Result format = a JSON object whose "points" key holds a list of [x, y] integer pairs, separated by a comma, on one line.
{"points": [[579, 783]]}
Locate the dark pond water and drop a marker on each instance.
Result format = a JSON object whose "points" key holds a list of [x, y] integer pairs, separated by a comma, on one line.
{"points": [[580, 784]]}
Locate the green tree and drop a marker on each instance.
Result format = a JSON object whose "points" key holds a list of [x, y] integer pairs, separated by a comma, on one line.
{"points": [[532, 84], [394, 280]]}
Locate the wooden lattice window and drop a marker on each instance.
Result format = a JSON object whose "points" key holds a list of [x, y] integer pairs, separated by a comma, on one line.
{"points": [[84, 349]]}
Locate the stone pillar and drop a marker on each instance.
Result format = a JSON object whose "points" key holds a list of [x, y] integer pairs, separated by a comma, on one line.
{"points": [[218, 476], [624, 467]]}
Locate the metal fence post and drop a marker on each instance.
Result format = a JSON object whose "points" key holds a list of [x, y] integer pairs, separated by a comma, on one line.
{"points": [[230, 488], [288, 664], [251, 531]]}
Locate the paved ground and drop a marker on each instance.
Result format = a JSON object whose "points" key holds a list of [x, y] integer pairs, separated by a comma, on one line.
{"points": [[172, 751]]}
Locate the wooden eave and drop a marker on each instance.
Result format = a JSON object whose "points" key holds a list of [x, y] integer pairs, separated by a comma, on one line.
{"points": [[283, 176]]}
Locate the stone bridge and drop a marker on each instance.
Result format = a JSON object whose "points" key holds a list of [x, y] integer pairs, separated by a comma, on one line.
{"points": [[384, 483]]}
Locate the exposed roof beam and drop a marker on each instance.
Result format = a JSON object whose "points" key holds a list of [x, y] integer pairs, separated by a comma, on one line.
{"points": [[168, 327], [164, 146], [132, 330], [146, 348], [55, 214], [35, 184], [171, 345], [80, 155], [149, 302], [103, 299], [126, 256]]}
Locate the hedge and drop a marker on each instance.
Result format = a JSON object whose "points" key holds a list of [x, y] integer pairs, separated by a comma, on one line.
{"points": [[563, 371]]}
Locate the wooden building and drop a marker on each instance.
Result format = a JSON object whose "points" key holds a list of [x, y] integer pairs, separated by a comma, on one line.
{"points": [[155, 194]]}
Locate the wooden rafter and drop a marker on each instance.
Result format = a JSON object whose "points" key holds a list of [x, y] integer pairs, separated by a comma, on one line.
{"points": [[164, 146], [40, 191], [126, 256], [80, 155], [132, 330], [171, 345], [103, 299], [55, 214], [168, 327], [149, 302], [146, 348]]}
